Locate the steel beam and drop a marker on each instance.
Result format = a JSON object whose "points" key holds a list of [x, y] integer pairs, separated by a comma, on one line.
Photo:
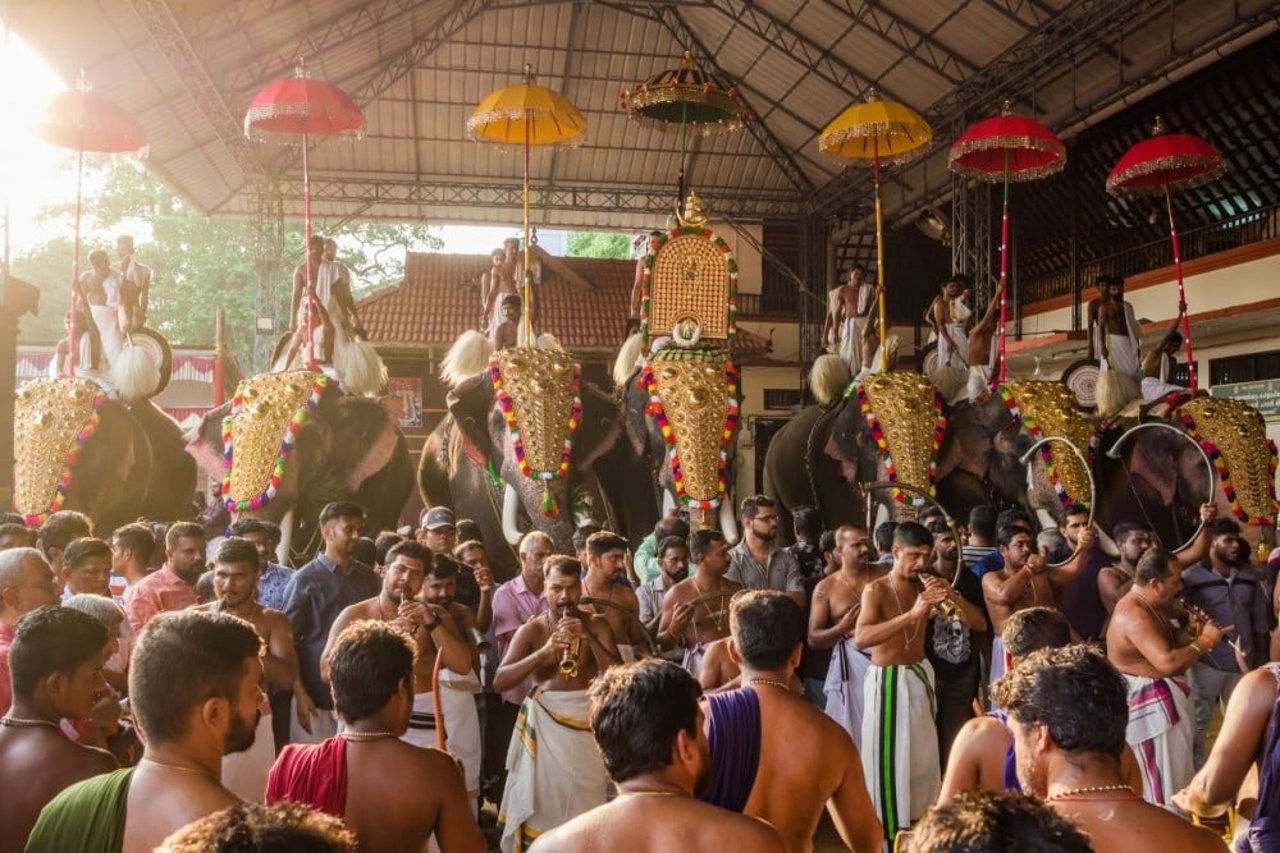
{"points": [[913, 42]]}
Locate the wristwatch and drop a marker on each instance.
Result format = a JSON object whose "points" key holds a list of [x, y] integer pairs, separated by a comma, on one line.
{"points": [[431, 626]]}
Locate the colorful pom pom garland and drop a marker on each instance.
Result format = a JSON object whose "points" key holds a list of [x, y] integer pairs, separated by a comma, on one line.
{"points": [[649, 383], [69, 463], [882, 444], [1224, 474]]}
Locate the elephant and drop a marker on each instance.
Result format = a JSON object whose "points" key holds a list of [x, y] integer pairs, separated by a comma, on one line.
{"points": [[1157, 469], [470, 463], [347, 449], [131, 464]]}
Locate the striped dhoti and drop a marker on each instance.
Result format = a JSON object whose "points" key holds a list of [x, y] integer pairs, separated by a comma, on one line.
{"points": [[1161, 731], [462, 723], [900, 743]]}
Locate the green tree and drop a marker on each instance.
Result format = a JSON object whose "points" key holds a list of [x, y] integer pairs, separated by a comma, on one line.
{"points": [[599, 244]]}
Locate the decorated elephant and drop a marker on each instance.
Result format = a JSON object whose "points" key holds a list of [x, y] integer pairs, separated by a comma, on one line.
{"points": [[1157, 469], [79, 450], [528, 445], [289, 443]]}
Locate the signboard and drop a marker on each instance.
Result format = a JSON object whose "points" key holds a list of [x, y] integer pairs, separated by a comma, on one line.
{"points": [[1263, 396]]}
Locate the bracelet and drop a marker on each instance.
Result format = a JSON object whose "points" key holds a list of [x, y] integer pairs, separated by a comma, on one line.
{"points": [[1195, 644], [1208, 642], [431, 626]]}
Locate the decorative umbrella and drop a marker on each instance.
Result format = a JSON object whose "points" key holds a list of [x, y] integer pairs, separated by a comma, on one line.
{"points": [[526, 115], [292, 111], [863, 134], [688, 99], [1166, 162], [1007, 148], [83, 121]]}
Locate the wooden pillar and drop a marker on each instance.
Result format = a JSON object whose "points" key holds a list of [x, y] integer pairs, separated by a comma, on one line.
{"points": [[19, 298]]}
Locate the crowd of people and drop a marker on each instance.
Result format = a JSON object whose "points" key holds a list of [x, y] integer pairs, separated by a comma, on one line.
{"points": [[926, 685]]}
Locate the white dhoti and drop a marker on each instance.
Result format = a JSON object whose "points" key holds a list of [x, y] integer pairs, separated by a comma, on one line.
{"points": [[461, 724], [900, 754], [324, 725], [997, 659], [953, 347], [693, 659], [554, 771], [979, 382], [1154, 389], [851, 331], [107, 319], [1161, 733], [844, 687], [245, 773]]}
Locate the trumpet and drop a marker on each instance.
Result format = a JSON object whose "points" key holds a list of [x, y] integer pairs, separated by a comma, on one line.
{"points": [[948, 610], [570, 658]]}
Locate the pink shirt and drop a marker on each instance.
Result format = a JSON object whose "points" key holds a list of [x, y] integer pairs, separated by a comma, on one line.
{"points": [[158, 592], [513, 605], [6, 687]]}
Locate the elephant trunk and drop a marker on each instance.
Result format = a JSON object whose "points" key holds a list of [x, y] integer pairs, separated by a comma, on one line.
{"points": [[510, 515]]}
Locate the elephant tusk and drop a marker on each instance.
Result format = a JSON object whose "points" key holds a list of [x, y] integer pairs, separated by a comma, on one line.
{"points": [[286, 539], [728, 524], [1114, 453], [668, 503], [1025, 459], [510, 510], [868, 488]]}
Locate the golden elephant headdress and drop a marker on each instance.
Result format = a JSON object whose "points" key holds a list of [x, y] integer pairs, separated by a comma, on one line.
{"points": [[903, 411], [258, 436], [1234, 435], [1052, 409], [53, 418]]}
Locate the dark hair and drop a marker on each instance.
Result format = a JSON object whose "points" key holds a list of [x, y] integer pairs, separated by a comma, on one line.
{"points": [[1175, 337], [637, 711], [341, 509], [52, 639], [560, 564], [245, 526], [82, 549], [1225, 527], [827, 542], [1035, 628], [12, 518], [469, 530], [605, 541], [383, 544], [752, 505], [370, 661], [766, 626], [61, 528], [583, 535], [1075, 509], [937, 526], [1007, 532], [469, 545], [412, 549], [807, 521], [11, 529], [254, 828], [982, 521], [908, 534], [928, 514], [700, 542], [671, 542], [234, 550], [137, 539], [1153, 566], [1013, 517], [882, 537], [987, 822], [1074, 693], [182, 659], [204, 587], [184, 530], [365, 551], [670, 527], [1125, 529], [511, 299], [442, 567]]}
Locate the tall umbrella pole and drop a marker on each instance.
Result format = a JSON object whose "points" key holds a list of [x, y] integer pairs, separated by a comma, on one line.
{"points": [[875, 177], [306, 228], [1004, 269], [526, 318], [72, 347], [1182, 292]]}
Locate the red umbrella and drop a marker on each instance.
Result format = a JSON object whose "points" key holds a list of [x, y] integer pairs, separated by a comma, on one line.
{"points": [[1007, 148], [293, 111], [83, 121], [1166, 162]]}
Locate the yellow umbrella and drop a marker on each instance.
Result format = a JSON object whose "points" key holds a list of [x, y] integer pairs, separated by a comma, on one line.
{"points": [[526, 115], [864, 133]]}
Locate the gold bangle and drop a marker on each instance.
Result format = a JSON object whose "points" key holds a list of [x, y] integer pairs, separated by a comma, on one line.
{"points": [[1195, 644]]}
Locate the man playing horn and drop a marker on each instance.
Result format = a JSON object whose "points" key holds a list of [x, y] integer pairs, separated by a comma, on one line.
{"points": [[694, 627]]}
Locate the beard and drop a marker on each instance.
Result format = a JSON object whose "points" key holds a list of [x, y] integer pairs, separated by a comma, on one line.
{"points": [[241, 735], [1229, 555]]}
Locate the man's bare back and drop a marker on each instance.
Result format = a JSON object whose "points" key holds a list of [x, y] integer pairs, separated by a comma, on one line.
{"points": [[39, 762], [162, 800], [1133, 826]]}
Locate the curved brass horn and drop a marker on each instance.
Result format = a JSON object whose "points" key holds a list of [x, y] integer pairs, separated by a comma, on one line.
{"points": [[1025, 459], [868, 488], [1114, 453], [604, 602]]}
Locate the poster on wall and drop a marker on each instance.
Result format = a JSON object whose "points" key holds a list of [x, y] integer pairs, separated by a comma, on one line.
{"points": [[408, 391]]}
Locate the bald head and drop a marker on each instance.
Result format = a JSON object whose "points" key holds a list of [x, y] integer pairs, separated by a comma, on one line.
{"points": [[26, 582]]}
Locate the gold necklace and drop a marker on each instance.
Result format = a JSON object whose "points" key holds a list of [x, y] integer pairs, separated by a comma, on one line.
{"points": [[773, 682], [653, 794], [199, 771], [907, 639], [18, 723], [717, 616], [367, 736], [1164, 623], [1096, 789]]}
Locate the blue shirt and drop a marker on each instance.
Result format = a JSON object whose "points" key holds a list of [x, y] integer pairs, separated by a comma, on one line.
{"points": [[991, 562], [1239, 599], [271, 586], [313, 598]]}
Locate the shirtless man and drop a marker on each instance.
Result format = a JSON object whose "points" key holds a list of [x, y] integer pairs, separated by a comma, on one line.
{"points": [[135, 284], [101, 289], [695, 627], [562, 650], [299, 305], [1026, 580], [235, 583], [649, 727], [848, 311], [766, 738], [1068, 713], [637, 286], [1160, 362], [981, 341], [898, 734], [951, 312], [833, 615], [507, 333], [393, 796], [605, 580], [1114, 333], [56, 660], [1134, 540], [495, 283], [194, 689], [1151, 641]]}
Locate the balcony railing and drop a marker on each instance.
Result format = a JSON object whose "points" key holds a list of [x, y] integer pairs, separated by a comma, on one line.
{"points": [[783, 304]]}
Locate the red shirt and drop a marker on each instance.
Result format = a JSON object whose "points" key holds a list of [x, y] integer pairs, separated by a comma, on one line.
{"points": [[158, 592]]}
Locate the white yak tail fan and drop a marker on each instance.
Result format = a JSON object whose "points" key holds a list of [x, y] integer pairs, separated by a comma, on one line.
{"points": [[829, 378], [361, 368], [1114, 391], [135, 374], [546, 340], [625, 364], [952, 383], [469, 356]]}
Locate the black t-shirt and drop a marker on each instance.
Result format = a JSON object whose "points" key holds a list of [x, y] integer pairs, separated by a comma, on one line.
{"points": [[952, 648]]}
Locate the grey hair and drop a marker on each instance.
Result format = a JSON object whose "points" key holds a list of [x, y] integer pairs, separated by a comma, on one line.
{"points": [[11, 561], [531, 537], [104, 609]]}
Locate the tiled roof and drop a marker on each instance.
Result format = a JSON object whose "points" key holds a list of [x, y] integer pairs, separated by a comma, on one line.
{"points": [[439, 299]]}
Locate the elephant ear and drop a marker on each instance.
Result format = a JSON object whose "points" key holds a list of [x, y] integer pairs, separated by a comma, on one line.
{"points": [[600, 429], [469, 403], [364, 438], [204, 442]]}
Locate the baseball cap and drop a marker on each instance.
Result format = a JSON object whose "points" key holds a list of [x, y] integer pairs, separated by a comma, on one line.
{"points": [[437, 517]]}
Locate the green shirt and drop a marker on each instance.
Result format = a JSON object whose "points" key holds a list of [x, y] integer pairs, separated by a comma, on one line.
{"points": [[88, 817]]}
